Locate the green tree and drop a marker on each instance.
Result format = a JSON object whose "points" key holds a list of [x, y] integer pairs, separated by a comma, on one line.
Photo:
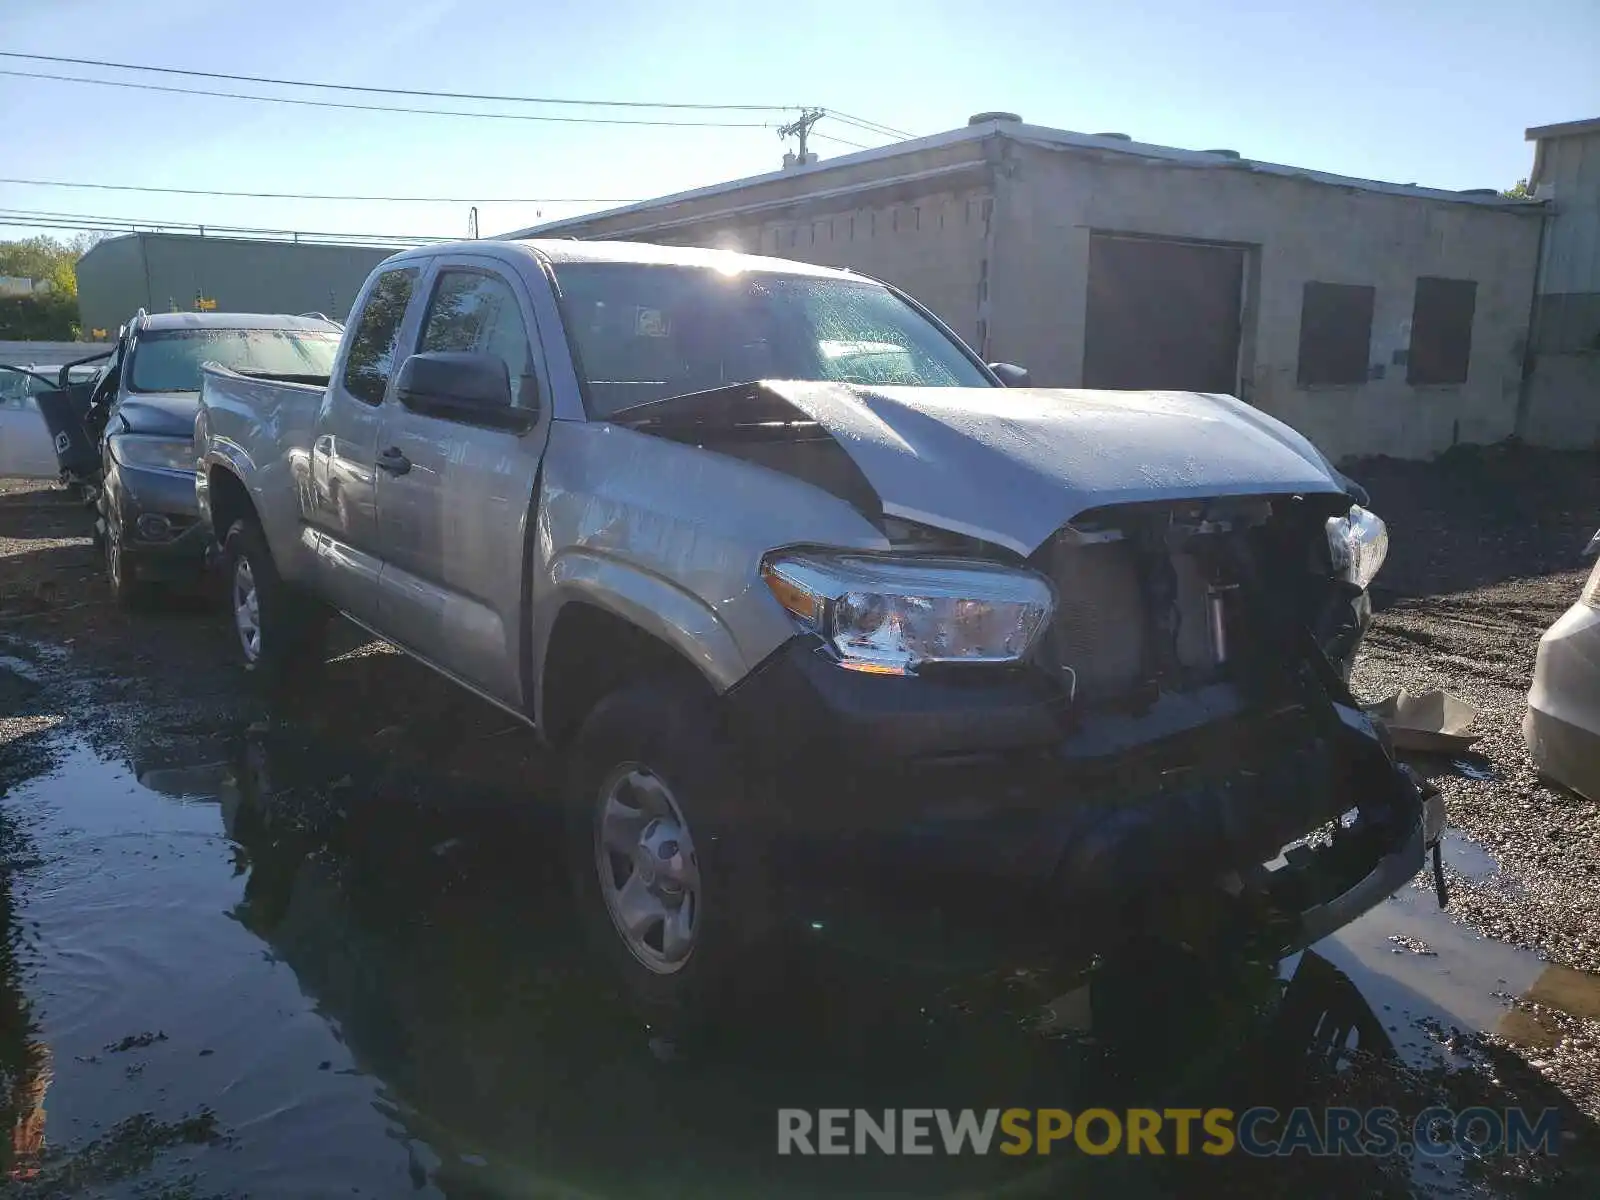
{"points": [[1518, 191], [50, 315]]}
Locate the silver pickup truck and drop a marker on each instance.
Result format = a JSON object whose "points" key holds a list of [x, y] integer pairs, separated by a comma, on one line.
{"points": [[818, 611]]}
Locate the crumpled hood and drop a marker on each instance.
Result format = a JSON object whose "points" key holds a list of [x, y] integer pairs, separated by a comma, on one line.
{"points": [[167, 413], [1012, 465]]}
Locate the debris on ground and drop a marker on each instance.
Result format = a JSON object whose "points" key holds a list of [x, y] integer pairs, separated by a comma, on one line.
{"points": [[1430, 722]]}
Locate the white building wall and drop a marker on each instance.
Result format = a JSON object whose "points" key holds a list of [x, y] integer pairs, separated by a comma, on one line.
{"points": [[1296, 231], [1561, 404], [1017, 221]]}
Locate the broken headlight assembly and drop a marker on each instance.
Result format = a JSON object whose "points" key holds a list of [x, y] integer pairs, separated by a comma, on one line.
{"points": [[890, 616], [1358, 543]]}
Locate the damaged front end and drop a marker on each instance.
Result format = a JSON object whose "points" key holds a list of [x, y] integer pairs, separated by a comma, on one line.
{"points": [[1078, 733], [1246, 612]]}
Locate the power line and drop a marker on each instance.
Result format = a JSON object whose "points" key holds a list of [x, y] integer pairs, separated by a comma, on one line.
{"points": [[869, 126], [300, 236], [390, 91], [822, 137], [424, 112], [94, 221], [128, 187]]}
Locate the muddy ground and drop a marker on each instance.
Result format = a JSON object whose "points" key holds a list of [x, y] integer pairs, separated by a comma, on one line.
{"points": [[323, 949]]}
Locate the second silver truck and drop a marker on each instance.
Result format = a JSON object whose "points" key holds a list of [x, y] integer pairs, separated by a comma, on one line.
{"points": [[819, 612]]}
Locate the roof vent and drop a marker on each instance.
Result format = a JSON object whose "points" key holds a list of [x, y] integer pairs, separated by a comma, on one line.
{"points": [[1222, 153], [1118, 137], [984, 118]]}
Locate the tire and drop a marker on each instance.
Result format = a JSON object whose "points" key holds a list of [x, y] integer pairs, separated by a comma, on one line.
{"points": [[278, 632], [644, 737], [128, 591]]}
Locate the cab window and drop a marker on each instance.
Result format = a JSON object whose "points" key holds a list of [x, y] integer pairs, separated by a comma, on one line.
{"points": [[376, 335], [474, 311]]}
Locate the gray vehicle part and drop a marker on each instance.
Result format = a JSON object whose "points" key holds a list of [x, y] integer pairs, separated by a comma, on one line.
{"points": [[1012, 465], [670, 538]]}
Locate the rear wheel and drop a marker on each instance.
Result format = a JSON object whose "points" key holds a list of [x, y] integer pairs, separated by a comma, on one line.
{"points": [[667, 850], [278, 631]]}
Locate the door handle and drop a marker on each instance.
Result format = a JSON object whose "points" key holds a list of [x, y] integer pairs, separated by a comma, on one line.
{"points": [[394, 461]]}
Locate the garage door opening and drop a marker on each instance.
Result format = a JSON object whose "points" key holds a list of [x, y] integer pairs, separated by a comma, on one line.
{"points": [[1163, 315]]}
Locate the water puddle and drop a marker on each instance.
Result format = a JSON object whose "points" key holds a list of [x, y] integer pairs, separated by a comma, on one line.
{"points": [[1428, 970], [370, 979], [1467, 858]]}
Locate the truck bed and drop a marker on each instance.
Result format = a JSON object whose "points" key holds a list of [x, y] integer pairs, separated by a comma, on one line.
{"points": [[265, 424]]}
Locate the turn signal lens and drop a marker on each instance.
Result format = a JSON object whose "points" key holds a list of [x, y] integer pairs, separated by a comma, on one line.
{"points": [[793, 597]]}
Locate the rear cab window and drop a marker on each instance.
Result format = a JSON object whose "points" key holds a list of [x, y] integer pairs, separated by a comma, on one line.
{"points": [[376, 335]]}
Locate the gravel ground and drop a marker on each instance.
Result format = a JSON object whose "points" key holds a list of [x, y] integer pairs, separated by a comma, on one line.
{"points": [[1483, 558]]}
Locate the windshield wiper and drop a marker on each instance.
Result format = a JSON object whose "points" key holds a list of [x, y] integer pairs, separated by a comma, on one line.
{"points": [[752, 408]]}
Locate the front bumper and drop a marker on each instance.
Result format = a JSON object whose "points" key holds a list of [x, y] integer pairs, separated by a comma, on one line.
{"points": [[1562, 724], [179, 540], [986, 792]]}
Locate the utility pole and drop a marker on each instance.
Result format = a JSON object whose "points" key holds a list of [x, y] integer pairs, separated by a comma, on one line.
{"points": [[801, 128]]}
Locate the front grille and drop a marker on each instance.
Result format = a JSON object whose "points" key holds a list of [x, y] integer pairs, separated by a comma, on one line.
{"points": [[1100, 624]]}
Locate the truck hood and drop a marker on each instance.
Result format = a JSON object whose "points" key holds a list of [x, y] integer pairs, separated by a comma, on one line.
{"points": [[1012, 465], [165, 413]]}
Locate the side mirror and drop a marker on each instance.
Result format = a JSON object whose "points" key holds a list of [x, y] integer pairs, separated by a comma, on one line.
{"points": [[1010, 375], [464, 386]]}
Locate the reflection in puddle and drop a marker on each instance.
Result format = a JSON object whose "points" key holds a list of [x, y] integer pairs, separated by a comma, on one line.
{"points": [[392, 988], [206, 781], [1467, 858]]}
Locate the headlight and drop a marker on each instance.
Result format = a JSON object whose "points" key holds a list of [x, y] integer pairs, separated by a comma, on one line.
{"points": [[1359, 542], [891, 615], [141, 450]]}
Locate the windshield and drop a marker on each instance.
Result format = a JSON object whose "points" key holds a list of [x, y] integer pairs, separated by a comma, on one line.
{"points": [[645, 332], [169, 360]]}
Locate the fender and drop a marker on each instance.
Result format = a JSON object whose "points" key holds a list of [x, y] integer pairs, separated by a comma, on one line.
{"points": [[232, 458], [647, 601]]}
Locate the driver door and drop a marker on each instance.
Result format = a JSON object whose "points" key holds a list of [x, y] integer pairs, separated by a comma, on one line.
{"points": [[454, 497]]}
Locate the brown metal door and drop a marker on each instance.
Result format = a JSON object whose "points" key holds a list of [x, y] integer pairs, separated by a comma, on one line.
{"points": [[1162, 315]]}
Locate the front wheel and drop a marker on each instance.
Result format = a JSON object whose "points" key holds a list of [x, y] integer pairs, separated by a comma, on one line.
{"points": [[279, 632], [666, 850], [122, 571]]}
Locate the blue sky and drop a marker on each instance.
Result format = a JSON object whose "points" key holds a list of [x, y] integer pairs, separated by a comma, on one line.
{"points": [[1436, 92]]}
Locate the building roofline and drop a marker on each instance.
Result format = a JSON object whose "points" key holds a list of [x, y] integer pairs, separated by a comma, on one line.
{"points": [[1563, 129], [860, 158], [140, 234], [1036, 135]]}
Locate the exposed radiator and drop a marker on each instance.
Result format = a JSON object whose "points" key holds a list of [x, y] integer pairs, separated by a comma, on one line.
{"points": [[1100, 622]]}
